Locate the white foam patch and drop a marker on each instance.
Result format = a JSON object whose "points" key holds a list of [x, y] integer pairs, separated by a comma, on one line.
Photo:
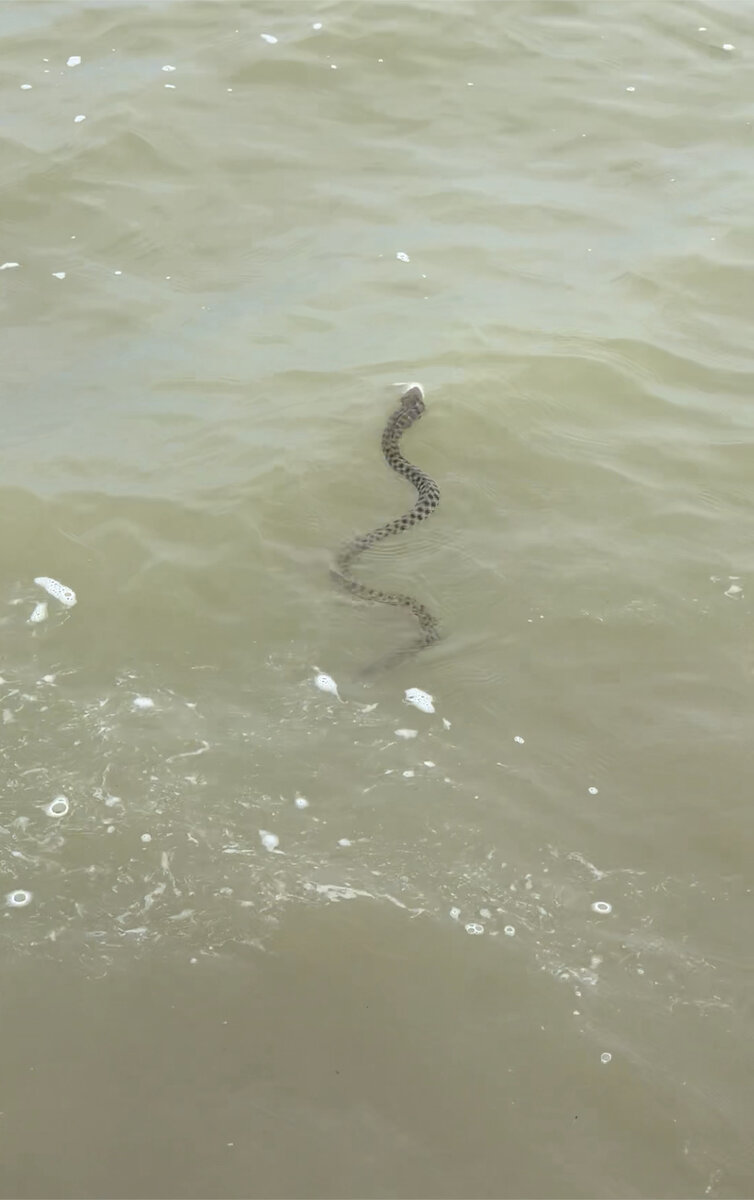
{"points": [[602, 906], [270, 841], [268, 37], [400, 254], [326, 683], [18, 899], [59, 807], [25, 87], [74, 60], [338, 891], [420, 699], [474, 928], [39, 613], [406, 733], [168, 67], [53, 587], [301, 802], [142, 702], [58, 274], [79, 118], [8, 266]]}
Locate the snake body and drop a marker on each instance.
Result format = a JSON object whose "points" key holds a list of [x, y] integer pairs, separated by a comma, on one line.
{"points": [[410, 408]]}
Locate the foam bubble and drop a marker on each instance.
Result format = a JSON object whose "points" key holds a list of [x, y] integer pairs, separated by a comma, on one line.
{"points": [[419, 699], [58, 807], [474, 928], [142, 702], [605, 1057], [39, 613], [59, 591], [402, 256], [18, 898], [602, 906], [326, 683], [270, 841], [301, 802]]}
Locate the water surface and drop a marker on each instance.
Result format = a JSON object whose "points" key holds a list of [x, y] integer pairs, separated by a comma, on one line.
{"points": [[280, 944]]}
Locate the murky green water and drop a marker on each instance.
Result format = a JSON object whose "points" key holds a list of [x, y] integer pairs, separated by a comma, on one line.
{"points": [[273, 942]]}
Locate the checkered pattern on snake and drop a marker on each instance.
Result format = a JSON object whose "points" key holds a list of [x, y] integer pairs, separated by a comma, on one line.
{"points": [[409, 410]]}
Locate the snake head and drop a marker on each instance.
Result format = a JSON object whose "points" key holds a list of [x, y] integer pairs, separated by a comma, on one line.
{"points": [[411, 405]]}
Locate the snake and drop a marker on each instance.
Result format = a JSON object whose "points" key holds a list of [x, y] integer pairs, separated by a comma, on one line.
{"points": [[410, 408]]}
